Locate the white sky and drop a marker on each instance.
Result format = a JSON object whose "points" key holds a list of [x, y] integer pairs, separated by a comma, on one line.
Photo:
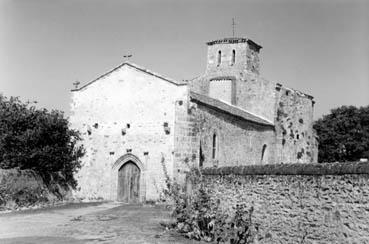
{"points": [[318, 47]]}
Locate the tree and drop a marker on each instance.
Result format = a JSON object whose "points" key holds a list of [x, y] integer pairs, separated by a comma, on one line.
{"points": [[343, 134], [37, 139]]}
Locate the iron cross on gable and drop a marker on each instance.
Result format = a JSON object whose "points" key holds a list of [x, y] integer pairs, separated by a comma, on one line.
{"points": [[76, 84], [127, 56]]}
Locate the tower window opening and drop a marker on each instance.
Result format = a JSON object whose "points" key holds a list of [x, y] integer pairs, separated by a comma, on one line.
{"points": [[214, 151], [219, 57], [233, 61]]}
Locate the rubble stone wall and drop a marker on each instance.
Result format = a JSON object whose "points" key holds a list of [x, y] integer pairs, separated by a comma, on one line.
{"points": [[299, 203], [294, 127]]}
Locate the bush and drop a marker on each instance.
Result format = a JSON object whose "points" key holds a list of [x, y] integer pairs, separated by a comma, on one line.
{"points": [[200, 217], [39, 140]]}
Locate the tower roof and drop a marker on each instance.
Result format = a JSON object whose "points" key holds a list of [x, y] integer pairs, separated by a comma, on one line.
{"points": [[232, 40]]}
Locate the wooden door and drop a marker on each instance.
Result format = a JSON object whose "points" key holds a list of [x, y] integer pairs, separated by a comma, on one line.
{"points": [[129, 183]]}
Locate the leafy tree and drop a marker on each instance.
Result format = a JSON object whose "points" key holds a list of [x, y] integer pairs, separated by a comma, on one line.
{"points": [[343, 134], [37, 139]]}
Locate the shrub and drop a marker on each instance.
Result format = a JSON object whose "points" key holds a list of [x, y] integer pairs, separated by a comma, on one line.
{"points": [[39, 140], [199, 215]]}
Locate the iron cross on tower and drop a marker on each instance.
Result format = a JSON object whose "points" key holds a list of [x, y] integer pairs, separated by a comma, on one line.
{"points": [[233, 26]]}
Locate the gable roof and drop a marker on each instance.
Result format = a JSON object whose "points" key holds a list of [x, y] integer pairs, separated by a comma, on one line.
{"points": [[229, 109], [135, 66]]}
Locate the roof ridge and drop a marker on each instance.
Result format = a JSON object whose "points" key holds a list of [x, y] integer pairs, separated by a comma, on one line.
{"points": [[155, 74], [137, 67]]}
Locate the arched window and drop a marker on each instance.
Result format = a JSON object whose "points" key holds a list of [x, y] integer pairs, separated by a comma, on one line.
{"points": [[263, 152], [201, 157], [233, 61], [214, 151], [219, 57]]}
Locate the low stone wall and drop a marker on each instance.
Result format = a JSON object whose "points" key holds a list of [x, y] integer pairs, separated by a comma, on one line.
{"points": [[20, 189], [299, 203]]}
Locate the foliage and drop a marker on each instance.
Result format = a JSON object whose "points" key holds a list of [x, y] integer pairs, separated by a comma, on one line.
{"points": [[200, 217], [40, 140], [343, 134]]}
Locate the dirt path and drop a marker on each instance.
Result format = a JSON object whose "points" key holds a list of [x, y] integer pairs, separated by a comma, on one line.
{"points": [[103, 223]]}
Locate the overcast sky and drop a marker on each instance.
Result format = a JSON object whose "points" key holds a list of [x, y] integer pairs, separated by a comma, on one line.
{"points": [[320, 47]]}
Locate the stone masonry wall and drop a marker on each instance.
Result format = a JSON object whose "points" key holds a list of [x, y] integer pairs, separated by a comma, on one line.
{"points": [[125, 113], [294, 127], [299, 203], [186, 139]]}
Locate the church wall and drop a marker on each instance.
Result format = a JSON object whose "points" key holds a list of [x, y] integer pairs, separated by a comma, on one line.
{"points": [[238, 142], [256, 95], [186, 139], [134, 114], [296, 140]]}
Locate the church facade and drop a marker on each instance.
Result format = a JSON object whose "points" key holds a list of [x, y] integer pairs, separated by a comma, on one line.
{"points": [[139, 127]]}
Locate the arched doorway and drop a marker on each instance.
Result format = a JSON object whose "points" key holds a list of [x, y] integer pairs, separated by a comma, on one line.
{"points": [[129, 183]]}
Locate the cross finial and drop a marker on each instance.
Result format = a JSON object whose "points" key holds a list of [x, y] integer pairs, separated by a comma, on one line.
{"points": [[76, 84], [127, 56], [233, 26]]}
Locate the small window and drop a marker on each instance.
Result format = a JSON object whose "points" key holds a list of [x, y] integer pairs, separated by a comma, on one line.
{"points": [[233, 61], [214, 151], [263, 152], [201, 157], [219, 57]]}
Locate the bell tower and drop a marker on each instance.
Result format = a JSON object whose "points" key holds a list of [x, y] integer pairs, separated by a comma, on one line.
{"points": [[232, 55], [229, 62]]}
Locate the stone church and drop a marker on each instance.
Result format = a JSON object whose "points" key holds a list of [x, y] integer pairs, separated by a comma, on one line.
{"points": [[138, 126]]}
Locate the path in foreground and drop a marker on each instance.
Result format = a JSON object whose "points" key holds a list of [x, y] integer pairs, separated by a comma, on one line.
{"points": [[81, 223]]}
